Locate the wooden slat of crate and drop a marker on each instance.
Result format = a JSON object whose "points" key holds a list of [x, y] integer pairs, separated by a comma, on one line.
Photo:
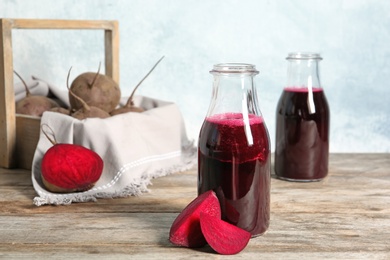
{"points": [[27, 132], [18, 134]]}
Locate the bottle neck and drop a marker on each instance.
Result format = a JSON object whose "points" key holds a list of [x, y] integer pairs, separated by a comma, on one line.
{"points": [[303, 71], [234, 94], [303, 74]]}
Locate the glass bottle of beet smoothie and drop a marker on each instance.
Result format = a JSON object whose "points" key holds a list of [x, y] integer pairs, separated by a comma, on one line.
{"points": [[302, 122], [234, 149]]}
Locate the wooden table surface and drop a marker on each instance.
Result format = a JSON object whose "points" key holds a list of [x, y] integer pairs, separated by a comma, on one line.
{"points": [[346, 216]]}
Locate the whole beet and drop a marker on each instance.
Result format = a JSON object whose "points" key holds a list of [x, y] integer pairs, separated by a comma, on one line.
{"points": [[33, 105], [85, 111], [96, 90], [90, 112], [61, 110]]}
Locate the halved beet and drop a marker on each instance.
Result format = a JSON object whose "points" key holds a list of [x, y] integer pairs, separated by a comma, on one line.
{"points": [[185, 230], [223, 237], [70, 168]]}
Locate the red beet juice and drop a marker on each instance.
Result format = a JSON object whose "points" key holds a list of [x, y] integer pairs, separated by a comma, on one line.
{"points": [[239, 173], [302, 136]]}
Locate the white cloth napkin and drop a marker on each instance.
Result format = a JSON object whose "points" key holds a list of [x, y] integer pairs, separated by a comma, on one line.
{"points": [[135, 148]]}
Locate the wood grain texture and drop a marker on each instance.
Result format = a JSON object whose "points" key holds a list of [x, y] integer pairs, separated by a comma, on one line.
{"points": [[346, 216], [7, 104], [27, 131]]}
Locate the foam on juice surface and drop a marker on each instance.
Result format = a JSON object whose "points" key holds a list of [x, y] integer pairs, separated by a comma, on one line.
{"points": [[234, 119], [302, 89]]}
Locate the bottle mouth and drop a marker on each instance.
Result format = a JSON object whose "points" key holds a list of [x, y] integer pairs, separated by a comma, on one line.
{"points": [[304, 56], [234, 68]]}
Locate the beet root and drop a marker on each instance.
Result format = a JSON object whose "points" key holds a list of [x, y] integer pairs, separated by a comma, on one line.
{"points": [[96, 90], [70, 168], [185, 230], [223, 237], [35, 105], [85, 111], [60, 110], [90, 112]]}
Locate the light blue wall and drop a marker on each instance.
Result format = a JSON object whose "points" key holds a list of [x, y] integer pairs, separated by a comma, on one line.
{"points": [[353, 37]]}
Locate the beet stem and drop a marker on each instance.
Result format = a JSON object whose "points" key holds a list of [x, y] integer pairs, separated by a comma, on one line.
{"points": [[24, 83], [54, 142], [130, 100], [83, 103], [97, 74]]}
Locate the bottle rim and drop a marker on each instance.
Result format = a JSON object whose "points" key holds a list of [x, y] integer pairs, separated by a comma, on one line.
{"points": [[234, 68], [304, 56]]}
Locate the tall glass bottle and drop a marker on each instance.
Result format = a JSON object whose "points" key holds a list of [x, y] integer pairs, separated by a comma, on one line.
{"points": [[234, 149], [302, 122]]}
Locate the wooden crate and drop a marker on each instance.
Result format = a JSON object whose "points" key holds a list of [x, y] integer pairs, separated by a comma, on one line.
{"points": [[19, 134]]}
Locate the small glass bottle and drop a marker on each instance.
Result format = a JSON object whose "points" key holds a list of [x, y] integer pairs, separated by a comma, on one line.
{"points": [[234, 149], [302, 122]]}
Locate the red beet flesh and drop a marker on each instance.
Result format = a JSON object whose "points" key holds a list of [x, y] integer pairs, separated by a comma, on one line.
{"points": [[223, 237], [70, 168], [185, 230]]}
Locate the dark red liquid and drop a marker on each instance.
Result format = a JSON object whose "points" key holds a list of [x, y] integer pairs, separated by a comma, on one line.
{"points": [[302, 138], [239, 173]]}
